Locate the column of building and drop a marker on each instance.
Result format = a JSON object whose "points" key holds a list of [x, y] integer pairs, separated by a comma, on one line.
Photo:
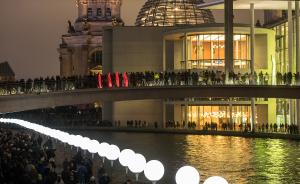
{"points": [[252, 35], [185, 47], [297, 58], [228, 7], [186, 111], [290, 56]]}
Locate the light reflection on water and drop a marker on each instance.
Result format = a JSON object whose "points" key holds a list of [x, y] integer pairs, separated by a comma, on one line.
{"points": [[239, 160]]}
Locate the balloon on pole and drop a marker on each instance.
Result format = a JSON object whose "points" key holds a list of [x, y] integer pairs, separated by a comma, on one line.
{"points": [[187, 175], [154, 171], [215, 180], [93, 147], [102, 150], [137, 164], [125, 157], [113, 153]]}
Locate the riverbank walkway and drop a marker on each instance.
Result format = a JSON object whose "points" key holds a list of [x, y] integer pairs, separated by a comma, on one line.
{"points": [[186, 132]]}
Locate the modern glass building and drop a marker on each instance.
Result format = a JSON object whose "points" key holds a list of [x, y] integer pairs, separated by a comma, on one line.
{"points": [[188, 47], [180, 35], [173, 13], [207, 51], [281, 27]]}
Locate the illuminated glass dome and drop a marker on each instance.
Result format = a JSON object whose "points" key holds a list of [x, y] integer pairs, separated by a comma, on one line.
{"points": [[172, 13]]}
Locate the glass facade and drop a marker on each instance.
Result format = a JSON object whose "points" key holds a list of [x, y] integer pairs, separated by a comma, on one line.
{"points": [[218, 114], [282, 66], [207, 51], [173, 12], [281, 31]]}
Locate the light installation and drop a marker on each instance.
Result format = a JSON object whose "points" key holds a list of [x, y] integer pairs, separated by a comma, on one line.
{"points": [[153, 170]]}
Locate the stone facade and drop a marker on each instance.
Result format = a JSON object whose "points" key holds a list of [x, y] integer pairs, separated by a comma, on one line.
{"points": [[6, 72], [81, 48]]}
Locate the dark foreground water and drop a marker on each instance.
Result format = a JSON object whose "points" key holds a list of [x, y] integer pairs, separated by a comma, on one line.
{"points": [[239, 160]]}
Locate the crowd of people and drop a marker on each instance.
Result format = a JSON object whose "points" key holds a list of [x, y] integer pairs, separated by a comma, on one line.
{"points": [[137, 124], [244, 127], [66, 116], [148, 78], [79, 170], [28, 158], [72, 116], [49, 84], [214, 126]]}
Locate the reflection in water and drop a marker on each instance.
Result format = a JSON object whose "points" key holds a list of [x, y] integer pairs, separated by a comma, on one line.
{"points": [[239, 160], [273, 162], [225, 156]]}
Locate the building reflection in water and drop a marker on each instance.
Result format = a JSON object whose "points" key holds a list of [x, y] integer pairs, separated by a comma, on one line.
{"points": [[217, 155], [243, 160], [239, 160], [270, 158]]}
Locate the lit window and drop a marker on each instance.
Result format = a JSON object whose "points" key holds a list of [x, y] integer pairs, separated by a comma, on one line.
{"points": [[89, 12], [99, 12], [108, 12], [96, 57]]}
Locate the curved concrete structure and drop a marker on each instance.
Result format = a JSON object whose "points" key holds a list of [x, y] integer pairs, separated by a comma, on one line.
{"points": [[15, 103]]}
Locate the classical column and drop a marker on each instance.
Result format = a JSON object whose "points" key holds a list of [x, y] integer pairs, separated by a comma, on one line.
{"points": [[228, 37], [290, 52]]}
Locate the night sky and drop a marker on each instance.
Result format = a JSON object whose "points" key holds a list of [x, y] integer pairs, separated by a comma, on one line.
{"points": [[31, 31]]}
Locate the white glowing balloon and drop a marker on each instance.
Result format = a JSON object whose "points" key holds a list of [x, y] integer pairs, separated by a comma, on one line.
{"points": [[85, 141], [113, 152], [77, 141], [102, 149], [187, 175], [137, 163], [154, 170], [93, 146], [125, 157], [72, 140], [215, 180], [64, 137]]}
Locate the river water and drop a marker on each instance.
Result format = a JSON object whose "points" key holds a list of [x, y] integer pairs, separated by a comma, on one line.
{"points": [[239, 160]]}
